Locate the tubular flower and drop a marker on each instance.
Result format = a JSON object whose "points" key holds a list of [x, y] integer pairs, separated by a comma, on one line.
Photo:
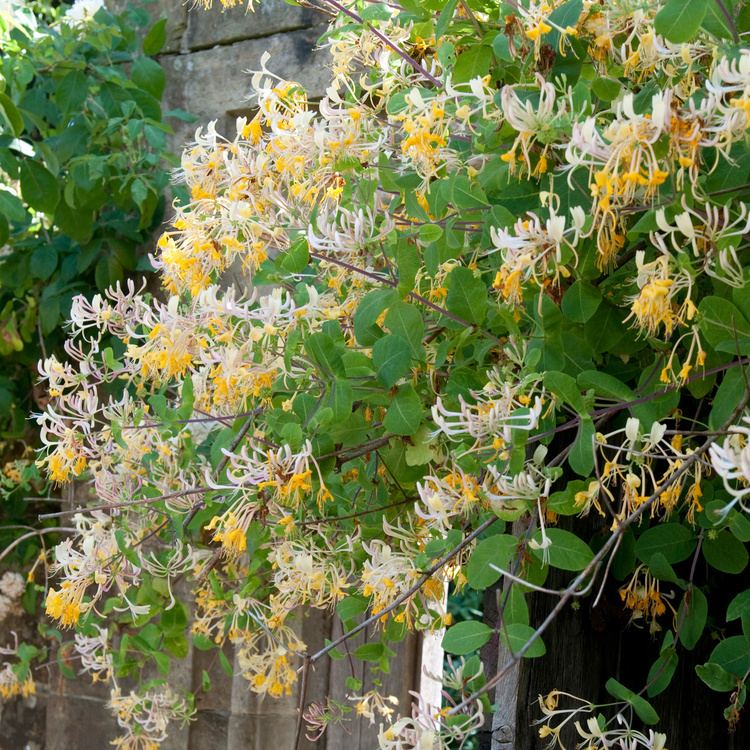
{"points": [[65, 605], [731, 461], [714, 234], [230, 533], [535, 253], [656, 306], [490, 421], [534, 122], [442, 499], [623, 164], [305, 573], [11, 685], [265, 658]]}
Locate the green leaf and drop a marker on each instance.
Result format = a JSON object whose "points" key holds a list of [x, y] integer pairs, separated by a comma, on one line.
{"points": [[11, 115], [693, 617], [405, 412], [226, 665], [351, 607], [445, 18], [392, 358], [501, 47], [44, 262], [297, 257], [566, 552], [467, 296], [495, 550], [39, 187], [673, 540], [731, 176], [724, 552], [465, 195], [605, 385], [581, 457], [370, 651], [175, 618], [340, 399], [430, 233], [661, 673], [662, 570], [607, 89], [723, 325], [516, 608], [565, 15], [11, 207], [71, 90], [372, 305], [408, 262], [322, 348], [77, 223], [473, 63], [420, 452], [49, 314], [739, 606], [465, 637], [563, 502], [156, 37], [565, 387], [516, 635], [714, 21], [127, 551], [641, 706], [716, 677], [679, 20], [733, 655], [406, 321], [581, 302], [728, 394]]}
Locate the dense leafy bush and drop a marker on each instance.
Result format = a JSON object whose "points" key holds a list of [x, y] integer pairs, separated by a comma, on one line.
{"points": [[82, 141], [83, 170]]}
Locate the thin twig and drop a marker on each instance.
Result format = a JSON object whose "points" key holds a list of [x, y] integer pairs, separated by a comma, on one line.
{"points": [[407, 594], [301, 702], [115, 506], [194, 420], [413, 295], [730, 21], [36, 532], [383, 38], [366, 512]]}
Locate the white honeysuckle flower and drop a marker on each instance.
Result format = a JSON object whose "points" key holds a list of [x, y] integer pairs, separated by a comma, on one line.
{"points": [[487, 419], [82, 11], [731, 461], [714, 234], [633, 429]]}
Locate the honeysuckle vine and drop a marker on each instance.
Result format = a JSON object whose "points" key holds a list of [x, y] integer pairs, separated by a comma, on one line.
{"points": [[496, 280]]}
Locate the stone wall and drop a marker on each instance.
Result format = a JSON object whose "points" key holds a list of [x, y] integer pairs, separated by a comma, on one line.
{"points": [[209, 54], [206, 60]]}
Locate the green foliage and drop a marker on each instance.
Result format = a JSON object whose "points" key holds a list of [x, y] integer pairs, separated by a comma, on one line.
{"points": [[82, 158]]}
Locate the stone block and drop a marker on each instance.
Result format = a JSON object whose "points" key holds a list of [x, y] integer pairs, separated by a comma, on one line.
{"points": [[207, 28], [209, 731], [214, 83], [210, 83], [219, 697], [75, 721], [23, 723]]}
